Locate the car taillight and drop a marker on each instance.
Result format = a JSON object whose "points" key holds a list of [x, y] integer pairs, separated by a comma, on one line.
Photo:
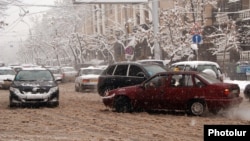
{"points": [[85, 80], [226, 92]]}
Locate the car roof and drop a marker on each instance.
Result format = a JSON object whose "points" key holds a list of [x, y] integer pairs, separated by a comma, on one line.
{"points": [[91, 67], [135, 63], [67, 67], [35, 68], [6, 68], [178, 72], [195, 63], [154, 60]]}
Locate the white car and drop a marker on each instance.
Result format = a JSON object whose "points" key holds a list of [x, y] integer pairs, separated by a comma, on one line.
{"points": [[7, 75], [68, 74], [208, 67], [56, 73], [87, 78]]}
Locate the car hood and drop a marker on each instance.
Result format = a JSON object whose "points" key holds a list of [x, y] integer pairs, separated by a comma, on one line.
{"points": [[128, 90], [5, 77], [34, 83]]}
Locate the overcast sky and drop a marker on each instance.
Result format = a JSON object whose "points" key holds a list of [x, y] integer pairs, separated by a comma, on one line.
{"points": [[17, 29]]}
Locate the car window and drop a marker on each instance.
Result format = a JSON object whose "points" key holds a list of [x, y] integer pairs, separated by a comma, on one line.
{"points": [[184, 80], [121, 70], [157, 81], [31, 75], [153, 69], [187, 81], [198, 82], [203, 67], [187, 68], [110, 70], [208, 78], [134, 70]]}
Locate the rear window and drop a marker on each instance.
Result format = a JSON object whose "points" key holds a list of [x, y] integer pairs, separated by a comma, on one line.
{"points": [[200, 68], [208, 78], [153, 69], [91, 71]]}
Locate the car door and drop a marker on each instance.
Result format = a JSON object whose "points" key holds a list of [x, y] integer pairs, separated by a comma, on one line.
{"points": [[136, 75], [120, 78], [179, 91], [153, 93]]}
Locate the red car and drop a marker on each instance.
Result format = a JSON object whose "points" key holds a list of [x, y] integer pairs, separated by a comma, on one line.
{"points": [[190, 91]]}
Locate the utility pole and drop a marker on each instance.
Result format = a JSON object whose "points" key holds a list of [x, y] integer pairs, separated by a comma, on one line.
{"points": [[155, 14]]}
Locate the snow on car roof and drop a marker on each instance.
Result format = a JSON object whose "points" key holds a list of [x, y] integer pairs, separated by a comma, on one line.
{"points": [[91, 67], [6, 68], [195, 63], [34, 68], [154, 60]]}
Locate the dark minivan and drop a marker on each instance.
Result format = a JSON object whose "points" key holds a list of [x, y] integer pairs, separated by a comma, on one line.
{"points": [[125, 74]]}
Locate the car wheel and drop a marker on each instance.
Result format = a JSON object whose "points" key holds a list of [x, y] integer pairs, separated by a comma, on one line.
{"points": [[122, 105], [80, 88], [76, 88], [11, 104], [104, 90], [196, 108], [53, 104]]}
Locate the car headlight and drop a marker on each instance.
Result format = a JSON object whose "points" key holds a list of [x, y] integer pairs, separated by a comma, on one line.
{"points": [[14, 90], [54, 89]]}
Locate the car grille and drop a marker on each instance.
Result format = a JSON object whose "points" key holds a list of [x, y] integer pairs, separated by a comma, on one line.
{"points": [[34, 90], [34, 100]]}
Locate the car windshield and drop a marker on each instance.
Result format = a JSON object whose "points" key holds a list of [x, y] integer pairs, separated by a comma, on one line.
{"points": [[91, 71], [208, 78], [34, 75], [7, 72], [153, 69], [207, 66]]}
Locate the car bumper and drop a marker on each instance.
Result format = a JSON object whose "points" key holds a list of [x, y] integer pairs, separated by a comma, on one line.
{"points": [[89, 86], [108, 100], [29, 98], [223, 103]]}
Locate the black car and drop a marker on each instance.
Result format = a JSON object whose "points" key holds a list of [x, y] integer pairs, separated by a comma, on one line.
{"points": [[125, 74], [34, 86], [247, 92]]}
